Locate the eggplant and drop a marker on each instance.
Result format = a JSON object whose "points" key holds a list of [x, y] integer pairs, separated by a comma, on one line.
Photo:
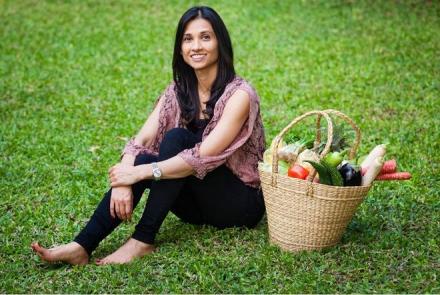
{"points": [[350, 175]]}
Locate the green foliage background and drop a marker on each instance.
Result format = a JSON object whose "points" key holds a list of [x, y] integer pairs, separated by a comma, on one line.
{"points": [[77, 78]]}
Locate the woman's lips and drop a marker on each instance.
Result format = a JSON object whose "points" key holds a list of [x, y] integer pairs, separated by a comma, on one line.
{"points": [[198, 57]]}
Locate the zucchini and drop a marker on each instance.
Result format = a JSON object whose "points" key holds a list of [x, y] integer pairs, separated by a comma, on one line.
{"points": [[327, 174], [335, 176], [324, 175]]}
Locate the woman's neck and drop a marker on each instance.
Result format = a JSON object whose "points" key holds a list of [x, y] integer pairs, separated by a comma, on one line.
{"points": [[206, 78]]}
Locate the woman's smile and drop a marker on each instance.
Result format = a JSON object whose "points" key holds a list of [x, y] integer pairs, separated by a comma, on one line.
{"points": [[198, 57], [199, 45]]}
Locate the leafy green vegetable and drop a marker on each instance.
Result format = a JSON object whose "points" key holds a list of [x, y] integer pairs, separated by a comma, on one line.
{"points": [[339, 141]]}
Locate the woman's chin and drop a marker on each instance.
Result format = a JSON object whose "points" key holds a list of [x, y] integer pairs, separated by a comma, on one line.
{"points": [[201, 66], [198, 66]]}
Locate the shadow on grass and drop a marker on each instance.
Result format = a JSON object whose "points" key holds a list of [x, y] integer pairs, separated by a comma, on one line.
{"points": [[360, 232], [176, 234]]}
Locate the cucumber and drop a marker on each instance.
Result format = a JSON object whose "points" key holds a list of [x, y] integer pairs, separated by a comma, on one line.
{"points": [[324, 175], [335, 176]]}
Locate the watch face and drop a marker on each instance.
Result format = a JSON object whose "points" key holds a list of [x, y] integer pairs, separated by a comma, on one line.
{"points": [[156, 171]]}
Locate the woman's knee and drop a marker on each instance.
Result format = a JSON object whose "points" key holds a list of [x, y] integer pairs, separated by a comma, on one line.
{"points": [[175, 141], [144, 159]]}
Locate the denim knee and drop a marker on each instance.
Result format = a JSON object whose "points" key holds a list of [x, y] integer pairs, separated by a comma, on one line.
{"points": [[175, 141]]}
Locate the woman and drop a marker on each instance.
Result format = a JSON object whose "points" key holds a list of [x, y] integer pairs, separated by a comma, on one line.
{"points": [[197, 152]]}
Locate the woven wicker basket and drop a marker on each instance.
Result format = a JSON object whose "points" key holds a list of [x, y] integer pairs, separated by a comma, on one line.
{"points": [[303, 215]]}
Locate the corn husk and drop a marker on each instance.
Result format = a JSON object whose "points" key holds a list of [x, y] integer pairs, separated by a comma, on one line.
{"points": [[307, 155]]}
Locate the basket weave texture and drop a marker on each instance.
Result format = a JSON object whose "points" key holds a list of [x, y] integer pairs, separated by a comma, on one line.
{"points": [[303, 215]]}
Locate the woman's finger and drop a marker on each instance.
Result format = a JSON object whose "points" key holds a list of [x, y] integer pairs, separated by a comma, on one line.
{"points": [[115, 183], [118, 210], [112, 208], [122, 211], [128, 210]]}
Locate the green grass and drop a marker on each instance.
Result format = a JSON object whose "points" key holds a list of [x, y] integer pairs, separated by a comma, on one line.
{"points": [[77, 78]]}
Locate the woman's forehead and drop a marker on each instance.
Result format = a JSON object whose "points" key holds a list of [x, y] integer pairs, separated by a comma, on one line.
{"points": [[197, 26]]}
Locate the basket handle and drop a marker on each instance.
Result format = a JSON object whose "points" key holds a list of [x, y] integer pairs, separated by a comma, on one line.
{"points": [[346, 118], [278, 138]]}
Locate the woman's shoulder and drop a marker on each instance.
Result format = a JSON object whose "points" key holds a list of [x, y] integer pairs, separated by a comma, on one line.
{"points": [[241, 83], [169, 93], [170, 89], [168, 99]]}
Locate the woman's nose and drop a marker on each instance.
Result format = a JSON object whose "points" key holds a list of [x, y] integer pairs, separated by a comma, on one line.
{"points": [[197, 44]]}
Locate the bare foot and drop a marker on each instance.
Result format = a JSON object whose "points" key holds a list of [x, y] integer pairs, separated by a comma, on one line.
{"points": [[127, 252], [72, 253]]}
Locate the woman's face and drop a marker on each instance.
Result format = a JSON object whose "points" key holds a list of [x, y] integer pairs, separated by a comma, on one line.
{"points": [[199, 45]]}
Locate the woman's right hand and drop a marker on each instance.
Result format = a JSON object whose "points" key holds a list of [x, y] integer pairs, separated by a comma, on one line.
{"points": [[121, 202]]}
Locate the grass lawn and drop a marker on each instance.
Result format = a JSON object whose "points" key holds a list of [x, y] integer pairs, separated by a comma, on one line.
{"points": [[77, 78]]}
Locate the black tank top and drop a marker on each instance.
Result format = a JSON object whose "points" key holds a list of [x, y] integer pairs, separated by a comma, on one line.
{"points": [[197, 126]]}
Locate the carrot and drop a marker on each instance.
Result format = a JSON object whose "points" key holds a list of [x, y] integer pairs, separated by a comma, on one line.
{"points": [[394, 176], [389, 166], [372, 171]]}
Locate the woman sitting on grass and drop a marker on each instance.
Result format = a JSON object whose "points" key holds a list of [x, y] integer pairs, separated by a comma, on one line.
{"points": [[197, 152]]}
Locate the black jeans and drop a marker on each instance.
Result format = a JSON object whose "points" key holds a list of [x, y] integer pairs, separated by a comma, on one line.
{"points": [[221, 199]]}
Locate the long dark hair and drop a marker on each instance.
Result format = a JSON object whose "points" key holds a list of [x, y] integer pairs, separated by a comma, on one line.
{"points": [[184, 76]]}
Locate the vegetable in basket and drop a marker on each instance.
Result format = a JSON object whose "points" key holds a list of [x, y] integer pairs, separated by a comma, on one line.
{"points": [[297, 171], [267, 156], [351, 175], [333, 159], [394, 176], [373, 171], [307, 155], [377, 151], [339, 140], [291, 151], [328, 175], [283, 166], [389, 166]]}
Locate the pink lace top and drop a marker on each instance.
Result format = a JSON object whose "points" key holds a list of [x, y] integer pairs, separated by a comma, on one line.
{"points": [[242, 155]]}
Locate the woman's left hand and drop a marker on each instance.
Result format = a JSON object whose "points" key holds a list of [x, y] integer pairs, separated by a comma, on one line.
{"points": [[123, 175]]}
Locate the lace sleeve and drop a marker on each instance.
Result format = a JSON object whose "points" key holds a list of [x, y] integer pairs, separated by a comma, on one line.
{"points": [[132, 148], [203, 165], [167, 118]]}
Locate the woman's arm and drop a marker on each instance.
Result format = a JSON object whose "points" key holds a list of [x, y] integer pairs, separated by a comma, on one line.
{"points": [[121, 201], [234, 116], [147, 134]]}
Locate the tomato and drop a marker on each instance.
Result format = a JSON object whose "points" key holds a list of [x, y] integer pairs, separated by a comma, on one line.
{"points": [[297, 171]]}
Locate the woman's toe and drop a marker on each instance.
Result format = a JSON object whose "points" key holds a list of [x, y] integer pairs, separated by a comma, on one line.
{"points": [[34, 246], [37, 248]]}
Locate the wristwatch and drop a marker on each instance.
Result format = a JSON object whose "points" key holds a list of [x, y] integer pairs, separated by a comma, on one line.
{"points": [[157, 174]]}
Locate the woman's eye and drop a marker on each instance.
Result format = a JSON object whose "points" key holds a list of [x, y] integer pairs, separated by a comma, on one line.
{"points": [[186, 38], [206, 37]]}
